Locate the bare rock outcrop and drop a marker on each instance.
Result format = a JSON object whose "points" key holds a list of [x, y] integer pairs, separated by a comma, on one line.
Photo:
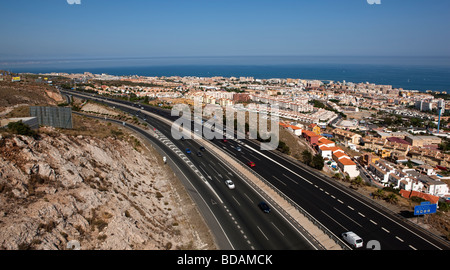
{"points": [[105, 194]]}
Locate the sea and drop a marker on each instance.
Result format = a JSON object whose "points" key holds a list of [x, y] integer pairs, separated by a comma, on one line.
{"points": [[409, 73]]}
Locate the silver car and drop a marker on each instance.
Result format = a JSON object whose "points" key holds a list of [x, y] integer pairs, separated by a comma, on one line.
{"points": [[229, 184]]}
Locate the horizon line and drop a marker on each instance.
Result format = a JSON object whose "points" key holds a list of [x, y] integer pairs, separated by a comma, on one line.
{"points": [[87, 58]]}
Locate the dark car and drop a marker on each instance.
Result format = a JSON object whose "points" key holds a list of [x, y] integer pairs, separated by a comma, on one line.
{"points": [[264, 207], [199, 154], [202, 148]]}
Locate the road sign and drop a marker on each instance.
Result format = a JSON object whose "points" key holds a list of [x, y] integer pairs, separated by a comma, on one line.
{"points": [[425, 209]]}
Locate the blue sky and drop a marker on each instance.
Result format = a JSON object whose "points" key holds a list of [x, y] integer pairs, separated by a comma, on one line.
{"points": [[145, 28]]}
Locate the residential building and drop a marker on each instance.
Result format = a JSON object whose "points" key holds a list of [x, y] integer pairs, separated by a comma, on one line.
{"points": [[325, 151], [311, 137], [326, 142], [381, 169], [315, 128], [345, 163], [347, 136]]}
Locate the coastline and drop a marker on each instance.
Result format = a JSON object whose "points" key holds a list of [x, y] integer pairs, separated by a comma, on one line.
{"points": [[417, 73]]}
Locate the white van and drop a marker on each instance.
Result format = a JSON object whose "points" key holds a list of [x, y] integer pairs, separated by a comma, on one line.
{"points": [[353, 239]]}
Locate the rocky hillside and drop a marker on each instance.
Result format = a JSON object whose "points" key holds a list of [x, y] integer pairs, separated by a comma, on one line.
{"points": [[28, 92], [105, 193]]}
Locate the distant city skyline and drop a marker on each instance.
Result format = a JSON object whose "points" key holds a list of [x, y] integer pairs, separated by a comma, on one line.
{"points": [[198, 28]]}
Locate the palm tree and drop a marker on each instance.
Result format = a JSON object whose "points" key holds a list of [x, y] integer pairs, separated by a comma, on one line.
{"points": [[358, 181], [379, 194], [392, 198]]}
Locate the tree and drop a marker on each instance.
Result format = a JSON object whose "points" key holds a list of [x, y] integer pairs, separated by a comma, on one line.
{"points": [[379, 194], [358, 181], [392, 198], [443, 206], [317, 162], [307, 157], [283, 148]]}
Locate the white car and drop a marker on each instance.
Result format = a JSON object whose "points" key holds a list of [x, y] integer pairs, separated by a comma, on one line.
{"points": [[229, 184], [353, 239]]}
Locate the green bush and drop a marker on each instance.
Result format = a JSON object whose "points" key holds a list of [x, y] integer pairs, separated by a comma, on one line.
{"points": [[444, 207], [284, 148], [21, 129], [317, 162], [417, 199]]}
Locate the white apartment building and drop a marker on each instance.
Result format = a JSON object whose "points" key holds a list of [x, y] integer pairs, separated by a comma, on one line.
{"points": [[381, 169], [409, 179]]}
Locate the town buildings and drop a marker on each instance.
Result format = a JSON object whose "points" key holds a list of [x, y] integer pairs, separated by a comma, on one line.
{"points": [[384, 150]]}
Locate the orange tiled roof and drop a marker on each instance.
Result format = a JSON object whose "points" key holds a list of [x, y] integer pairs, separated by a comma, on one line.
{"points": [[324, 147], [310, 133], [346, 161], [325, 140], [428, 197]]}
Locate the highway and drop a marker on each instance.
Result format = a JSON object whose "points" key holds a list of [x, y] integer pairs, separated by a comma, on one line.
{"points": [[233, 215], [335, 206]]}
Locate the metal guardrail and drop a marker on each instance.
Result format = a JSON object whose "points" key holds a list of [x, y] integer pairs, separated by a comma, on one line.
{"points": [[382, 207], [291, 202], [314, 221]]}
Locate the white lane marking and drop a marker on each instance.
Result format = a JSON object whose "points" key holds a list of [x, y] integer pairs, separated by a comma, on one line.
{"points": [[262, 232], [274, 161], [277, 228], [245, 194], [279, 180], [236, 200], [290, 178], [347, 217], [334, 220]]}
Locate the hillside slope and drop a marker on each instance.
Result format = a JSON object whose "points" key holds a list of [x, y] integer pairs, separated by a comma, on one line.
{"points": [[106, 193]]}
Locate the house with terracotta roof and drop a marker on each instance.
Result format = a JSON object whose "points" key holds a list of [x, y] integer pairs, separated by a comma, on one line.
{"points": [[315, 128], [325, 151], [326, 142], [311, 137], [345, 163], [294, 129], [336, 149]]}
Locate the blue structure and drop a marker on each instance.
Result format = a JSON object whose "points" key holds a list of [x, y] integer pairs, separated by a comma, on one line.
{"points": [[425, 208]]}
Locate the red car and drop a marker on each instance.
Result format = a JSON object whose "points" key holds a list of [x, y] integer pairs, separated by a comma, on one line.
{"points": [[251, 164], [224, 140]]}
